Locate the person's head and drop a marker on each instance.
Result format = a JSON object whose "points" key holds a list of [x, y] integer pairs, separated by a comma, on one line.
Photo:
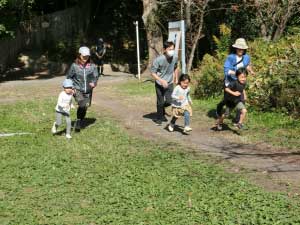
{"points": [[241, 75], [68, 86], [184, 81], [240, 46], [169, 48], [84, 55], [100, 41]]}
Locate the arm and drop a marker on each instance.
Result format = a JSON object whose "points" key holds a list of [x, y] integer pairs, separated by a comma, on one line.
{"points": [[95, 78], [234, 93], [175, 94], [228, 67], [63, 107], [245, 95], [189, 98], [250, 70], [176, 75], [71, 72], [154, 73], [247, 62], [103, 53]]}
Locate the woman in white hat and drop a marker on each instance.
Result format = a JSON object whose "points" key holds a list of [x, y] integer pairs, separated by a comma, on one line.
{"points": [[84, 75], [236, 60]]}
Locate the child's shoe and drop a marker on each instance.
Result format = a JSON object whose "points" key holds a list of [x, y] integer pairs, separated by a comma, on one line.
{"points": [[68, 136], [54, 128], [219, 126], [241, 126], [171, 127], [187, 129]]}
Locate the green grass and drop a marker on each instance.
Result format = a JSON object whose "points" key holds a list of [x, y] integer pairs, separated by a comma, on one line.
{"points": [[136, 88], [104, 176], [271, 127]]}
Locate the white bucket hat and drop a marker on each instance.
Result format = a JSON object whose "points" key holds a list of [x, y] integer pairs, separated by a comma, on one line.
{"points": [[84, 51], [240, 43]]}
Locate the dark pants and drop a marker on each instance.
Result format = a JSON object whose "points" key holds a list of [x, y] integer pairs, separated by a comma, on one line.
{"points": [[83, 100], [164, 99]]}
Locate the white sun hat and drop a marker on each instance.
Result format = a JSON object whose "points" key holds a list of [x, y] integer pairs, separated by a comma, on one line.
{"points": [[240, 43], [84, 51]]}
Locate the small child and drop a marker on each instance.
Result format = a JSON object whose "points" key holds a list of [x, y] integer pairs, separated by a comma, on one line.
{"points": [[234, 97], [181, 105], [64, 104]]}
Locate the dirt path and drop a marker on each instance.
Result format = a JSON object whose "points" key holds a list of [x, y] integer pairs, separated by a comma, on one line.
{"points": [[274, 170]]}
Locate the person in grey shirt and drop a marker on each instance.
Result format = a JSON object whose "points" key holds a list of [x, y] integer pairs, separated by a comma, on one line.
{"points": [[165, 72]]}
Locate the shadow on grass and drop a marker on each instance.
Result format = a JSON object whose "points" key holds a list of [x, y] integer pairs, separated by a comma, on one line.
{"points": [[152, 116], [87, 122]]}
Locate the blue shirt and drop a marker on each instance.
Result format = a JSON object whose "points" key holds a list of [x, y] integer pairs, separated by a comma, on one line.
{"points": [[231, 64]]}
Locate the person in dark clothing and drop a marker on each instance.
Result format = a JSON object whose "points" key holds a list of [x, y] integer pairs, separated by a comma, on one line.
{"points": [[238, 58], [98, 55], [165, 72], [234, 97], [84, 75]]}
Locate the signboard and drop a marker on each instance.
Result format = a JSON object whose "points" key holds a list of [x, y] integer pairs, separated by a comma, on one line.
{"points": [[177, 35]]}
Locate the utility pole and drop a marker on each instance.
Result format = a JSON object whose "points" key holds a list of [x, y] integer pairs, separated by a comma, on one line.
{"points": [[138, 48]]}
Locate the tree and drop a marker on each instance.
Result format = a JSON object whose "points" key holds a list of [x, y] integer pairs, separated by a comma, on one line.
{"points": [[274, 15], [153, 31], [194, 9]]}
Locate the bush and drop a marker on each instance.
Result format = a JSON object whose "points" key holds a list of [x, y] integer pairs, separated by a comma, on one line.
{"points": [[276, 85]]}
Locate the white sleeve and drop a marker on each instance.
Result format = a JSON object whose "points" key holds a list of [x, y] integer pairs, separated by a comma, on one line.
{"points": [[60, 100], [175, 93]]}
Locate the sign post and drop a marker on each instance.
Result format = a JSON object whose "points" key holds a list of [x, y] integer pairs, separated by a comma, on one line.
{"points": [[177, 35], [138, 48]]}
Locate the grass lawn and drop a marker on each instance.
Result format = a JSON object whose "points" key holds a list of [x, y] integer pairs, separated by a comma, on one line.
{"points": [[271, 127], [104, 176]]}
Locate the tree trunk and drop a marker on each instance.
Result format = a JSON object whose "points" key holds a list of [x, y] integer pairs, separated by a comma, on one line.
{"points": [[154, 34], [197, 37], [282, 24]]}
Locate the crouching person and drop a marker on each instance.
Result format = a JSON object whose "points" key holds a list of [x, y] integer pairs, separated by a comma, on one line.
{"points": [[234, 98]]}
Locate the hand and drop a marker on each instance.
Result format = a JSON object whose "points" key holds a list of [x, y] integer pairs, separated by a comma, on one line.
{"points": [[72, 106], [92, 85], [252, 73], [164, 83], [181, 98], [236, 93], [231, 72]]}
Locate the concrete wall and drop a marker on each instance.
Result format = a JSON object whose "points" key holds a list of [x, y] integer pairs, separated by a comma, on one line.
{"points": [[43, 30]]}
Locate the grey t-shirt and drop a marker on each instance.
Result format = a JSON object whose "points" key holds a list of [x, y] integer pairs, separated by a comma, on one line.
{"points": [[163, 68]]}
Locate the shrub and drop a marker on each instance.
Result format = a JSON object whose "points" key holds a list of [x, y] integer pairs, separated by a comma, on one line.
{"points": [[276, 85]]}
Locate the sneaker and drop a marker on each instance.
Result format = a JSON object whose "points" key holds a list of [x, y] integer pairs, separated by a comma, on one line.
{"points": [[68, 136], [187, 129], [164, 119], [77, 125], [54, 128], [171, 127], [219, 126], [240, 126], [158, 122]]}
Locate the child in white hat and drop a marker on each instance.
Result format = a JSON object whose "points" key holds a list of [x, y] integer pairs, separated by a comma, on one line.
{"points": [[63, 107]]}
